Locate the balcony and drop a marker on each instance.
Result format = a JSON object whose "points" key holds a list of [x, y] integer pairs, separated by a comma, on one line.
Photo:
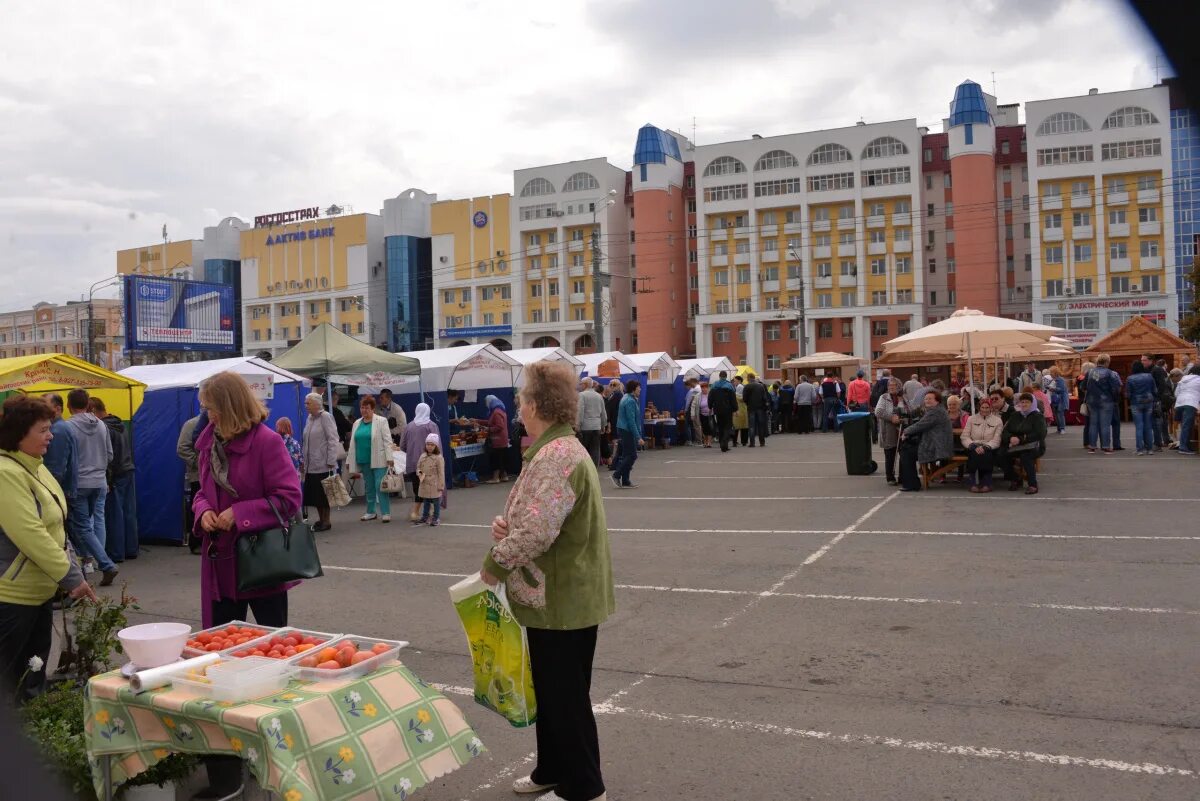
{"points": [[1118, 229], [1150, 262], [796, 228], [902, 246], [876, 221], [1152, 228], [847, 249], [575, 245], [533, 250], [1081, 201], [578, 270], [718, 234], [823, 282], [1117, 198], [1147, 196], [770, 286], [576, 298], [534, 275], [901, 219], [850, 279], [743, 231], [769, 255], [846, 224], [822, 252], [1051, 202], [718, 260], [1082, 232], [741, 258], [1119, 265], [817, 225], [876, 248], [1052, 234]]}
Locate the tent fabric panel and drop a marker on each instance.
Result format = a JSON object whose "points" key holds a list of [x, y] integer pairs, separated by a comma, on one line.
{"points": [[191, 374], [158, 471], [327, 350]]}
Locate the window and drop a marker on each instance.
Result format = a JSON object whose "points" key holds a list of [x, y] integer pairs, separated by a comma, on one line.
{"points": [[773, 362], [743, 305], [1149, 283], [1149, 249], [824, 269], [1081, 218], [825, 329], [535, 263], [721, 307], [535, 290], [945, 154], [904, 296], [1134, 149], [257, 335], [930, 210], [772, 303], [1083, 286], [554, 312], [879, 298], [581, 182], [535, 239], [693, 257], [847, 328], [1051, 190], [902, 207], [577, 260], [1118, 250], [580, 314], [824, 300], [1008, 232], [466, 294], [1075, 154], [1081, 188], [486, 292], [768, 218], [1054, 289], [1025, 230], [741, 247], [1120, 285], [1073, 322], [785, 186], [1009, 265], [776, 160], [1024, 202], [927, 155], [715, 194], [952, 297], [1006, 174], [1146, 183], [1062, 123], [947, 181], [949, 265], [837, 180], [822, 241], [691, 205], [770, 274], [536, 187], [506, 318], [903, 327], [933, 298], [1054, 255], [1005, 147], [743, 275], [1130, 117], [538, 212], [929, 181], [552, 288], [1053, 222], [933, 265], [847, 238], [883, 147], [793, 271], [886, 177], [829, 154], [878, 267], [877, 237], [848, 268], [1024, 169], [903, 265], [771, 332], [1114, 185], [1146, 215], [489, 318], [848, 298], [724, 165]]}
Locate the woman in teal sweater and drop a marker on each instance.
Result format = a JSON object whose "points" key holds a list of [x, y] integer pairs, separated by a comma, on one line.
{"points": [[551, 550], [629, 430]]}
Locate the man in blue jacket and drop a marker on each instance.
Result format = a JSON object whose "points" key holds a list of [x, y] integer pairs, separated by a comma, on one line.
{"points": [[722, 400], [629, 430], [1103, 392]]}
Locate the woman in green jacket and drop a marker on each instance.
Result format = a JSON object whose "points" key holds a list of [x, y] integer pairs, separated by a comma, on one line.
{"points": [[551, 550], [34, 561]]}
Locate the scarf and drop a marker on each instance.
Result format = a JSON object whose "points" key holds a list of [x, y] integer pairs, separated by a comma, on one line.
{"points": [[421, 415], [493, 403], [219, 464]]}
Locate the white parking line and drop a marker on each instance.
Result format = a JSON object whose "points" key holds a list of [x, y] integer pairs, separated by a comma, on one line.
{"points": [[745, 461], [634, 497], [813, 557]]}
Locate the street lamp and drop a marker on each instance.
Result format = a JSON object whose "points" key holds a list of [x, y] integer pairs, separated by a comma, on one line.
{"points": [[597, 285], [803, 334], [91, 332]]}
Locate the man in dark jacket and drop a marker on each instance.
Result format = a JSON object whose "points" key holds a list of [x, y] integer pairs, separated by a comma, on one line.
{"points": [[787, 397], [1164, 401], [1023, 440], [612, 406], [755, 397], [723, 402], [120, 509]]}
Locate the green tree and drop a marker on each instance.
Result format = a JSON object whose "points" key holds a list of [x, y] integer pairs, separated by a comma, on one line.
{"points": [[1189, 326]]}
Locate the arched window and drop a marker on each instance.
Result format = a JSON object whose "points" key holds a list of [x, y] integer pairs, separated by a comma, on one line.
{"points": [[776, 160], [538, 186], [829, 154], [1130, 117], [883, 147], [725, 165], [1061, 123], [545, 342], [501, 344], [585, 344], [581, 182]]}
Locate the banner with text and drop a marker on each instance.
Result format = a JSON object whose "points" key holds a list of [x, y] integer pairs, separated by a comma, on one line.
{"points": [[172, 314]]}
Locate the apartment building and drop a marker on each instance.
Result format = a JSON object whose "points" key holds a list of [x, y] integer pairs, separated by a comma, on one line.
{"points": [[473, 279], [62, 328]]}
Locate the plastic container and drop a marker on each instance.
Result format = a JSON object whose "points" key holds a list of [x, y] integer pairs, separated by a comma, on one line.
{"points": [[267, 631], [323, 639], [239, 679], [151, 645], [353, 671]]}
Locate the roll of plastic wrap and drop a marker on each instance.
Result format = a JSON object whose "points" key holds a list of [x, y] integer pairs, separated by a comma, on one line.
{"points": [[151, 678]]}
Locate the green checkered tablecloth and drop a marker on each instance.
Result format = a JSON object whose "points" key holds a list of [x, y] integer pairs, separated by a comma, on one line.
{"points": [[379, 737]]}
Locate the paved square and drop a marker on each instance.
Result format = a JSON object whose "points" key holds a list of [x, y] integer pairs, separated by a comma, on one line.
{"points": [[786, 631]]}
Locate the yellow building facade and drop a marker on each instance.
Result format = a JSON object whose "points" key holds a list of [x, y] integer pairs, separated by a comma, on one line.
{"points": [[183, 259], [473, 279]]}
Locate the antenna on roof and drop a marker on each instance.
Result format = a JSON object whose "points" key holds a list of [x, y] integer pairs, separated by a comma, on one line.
{"points": [[994, 94]]}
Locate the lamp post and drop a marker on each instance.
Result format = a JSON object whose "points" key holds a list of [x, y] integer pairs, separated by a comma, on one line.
{"points": [[802, 333], [91, 332], [597, 280]]}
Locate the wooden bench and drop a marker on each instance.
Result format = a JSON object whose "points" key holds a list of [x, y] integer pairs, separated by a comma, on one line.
{"points": [[929, 473]]}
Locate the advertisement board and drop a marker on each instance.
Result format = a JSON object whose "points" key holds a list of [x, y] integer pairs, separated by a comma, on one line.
{"points": [[172, 314]]}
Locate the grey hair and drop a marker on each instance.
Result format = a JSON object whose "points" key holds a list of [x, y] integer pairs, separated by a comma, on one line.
{"points": [[614, 384], [317, 396]]}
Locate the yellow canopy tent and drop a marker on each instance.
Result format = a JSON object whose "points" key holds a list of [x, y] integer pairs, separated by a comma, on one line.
{"points": [[58, 372], [744, 369]]}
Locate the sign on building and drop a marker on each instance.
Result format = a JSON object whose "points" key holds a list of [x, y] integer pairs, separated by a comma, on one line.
{"points": [[172, 314]]}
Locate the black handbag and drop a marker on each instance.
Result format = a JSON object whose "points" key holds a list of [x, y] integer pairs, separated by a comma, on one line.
{"points": [[277, 555]]}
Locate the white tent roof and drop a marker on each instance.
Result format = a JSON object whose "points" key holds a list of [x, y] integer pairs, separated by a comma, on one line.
{"points": [[592, 362], [464, 367], [527, 356], [709, 366], [968, 330], [659, 367], [190, 374]]}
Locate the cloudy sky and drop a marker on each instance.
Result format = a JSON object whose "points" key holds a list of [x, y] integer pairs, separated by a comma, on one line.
{"points": [[118, 117]]}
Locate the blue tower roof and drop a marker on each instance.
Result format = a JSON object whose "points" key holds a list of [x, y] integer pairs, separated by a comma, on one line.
{"points": [[654, 145], [969, 105]]}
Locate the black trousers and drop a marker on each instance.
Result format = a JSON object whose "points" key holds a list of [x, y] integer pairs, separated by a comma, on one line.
{"points": [[804, 418], [724, 421], [225, 772], [980, 466], [591, 442], [910, 475], [1027, 458], [24, 633], [568, 747], [889, 463]]}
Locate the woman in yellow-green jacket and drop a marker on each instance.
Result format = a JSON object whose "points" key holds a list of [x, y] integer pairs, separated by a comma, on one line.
{"points": [[34, 561]]}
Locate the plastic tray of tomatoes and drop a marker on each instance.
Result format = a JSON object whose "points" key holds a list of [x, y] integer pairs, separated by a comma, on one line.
{"points": [[283, 643], [225, 637], [347, 657]]}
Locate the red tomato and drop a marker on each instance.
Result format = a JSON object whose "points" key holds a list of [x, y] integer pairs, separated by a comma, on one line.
{"points": [[288, 652], [308, 662], [361, 656], [211, 647], [204, 637], [231, 630], [344, 657], [291, 641]]}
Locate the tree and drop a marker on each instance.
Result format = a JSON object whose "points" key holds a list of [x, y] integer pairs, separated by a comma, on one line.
{"points": [[1189, 326]]}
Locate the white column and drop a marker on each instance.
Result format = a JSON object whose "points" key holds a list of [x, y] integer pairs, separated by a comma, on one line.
{"points": [[754, 348]]}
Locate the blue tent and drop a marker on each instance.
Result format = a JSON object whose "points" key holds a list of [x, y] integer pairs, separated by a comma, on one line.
{"points": [[170, 401]]}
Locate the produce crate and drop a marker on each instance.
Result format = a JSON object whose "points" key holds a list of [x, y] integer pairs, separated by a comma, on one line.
{"points": [[353, 670], [237, 679], [264, 631]]}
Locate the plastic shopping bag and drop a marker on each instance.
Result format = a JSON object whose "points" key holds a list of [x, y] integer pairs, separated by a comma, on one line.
{"points": [[499, 650]]}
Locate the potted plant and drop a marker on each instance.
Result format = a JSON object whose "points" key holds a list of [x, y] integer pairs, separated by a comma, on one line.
{"points": [[158, 783]]}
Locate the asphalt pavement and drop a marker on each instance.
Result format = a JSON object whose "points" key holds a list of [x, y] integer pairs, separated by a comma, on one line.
{"points": [[786, 631]]}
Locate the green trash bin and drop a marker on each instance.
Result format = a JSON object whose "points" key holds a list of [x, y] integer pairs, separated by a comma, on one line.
{"points": [[856, 439]]}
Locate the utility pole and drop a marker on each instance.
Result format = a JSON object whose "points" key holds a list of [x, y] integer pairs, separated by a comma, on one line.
{"points": [[801, 332], [91, 318], [597, 279]]}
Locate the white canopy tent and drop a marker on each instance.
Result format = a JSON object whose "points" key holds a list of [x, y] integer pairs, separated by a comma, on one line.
{"points": [[191, 374], [464, 367], [659, 367], [709, 366], [592, 362], [527, 356]]}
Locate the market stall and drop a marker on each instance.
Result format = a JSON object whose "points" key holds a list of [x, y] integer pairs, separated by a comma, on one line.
{"points": [[171, 398], [58, 372], [604, 367], [659, 391], [822, 363], [1136, 337], [707, 369], [527, 356]]}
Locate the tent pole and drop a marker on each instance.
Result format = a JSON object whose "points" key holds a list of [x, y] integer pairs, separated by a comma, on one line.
{"points": [[970, 370]]}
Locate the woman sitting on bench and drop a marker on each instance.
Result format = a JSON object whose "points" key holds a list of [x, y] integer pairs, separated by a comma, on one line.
{"points": [[981, 438], [1024, 440], [936, 435]]}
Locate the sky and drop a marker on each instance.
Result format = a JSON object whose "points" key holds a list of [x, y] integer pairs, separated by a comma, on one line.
{"points": [[119, 117]]}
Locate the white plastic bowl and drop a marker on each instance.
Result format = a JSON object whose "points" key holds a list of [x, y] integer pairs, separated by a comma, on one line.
{"points": [[153, 644]]}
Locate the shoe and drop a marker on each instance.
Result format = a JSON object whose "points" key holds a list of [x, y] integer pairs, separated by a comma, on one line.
{"points": [[1031, 490], [367, 517], [616, 481], [907, 489], [322, 527], [1118, 448], [553, 796], [414, 516], [435, 522], [1013, 486], [986, 488], [630, 485], [492, 481], [386, 519], [421, 521], [1158, 449], [1110, 450], [525, 786], [1091, 450], [213, 794], [109, 575], [1185, 452], [892, 482], [973, 488]]}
